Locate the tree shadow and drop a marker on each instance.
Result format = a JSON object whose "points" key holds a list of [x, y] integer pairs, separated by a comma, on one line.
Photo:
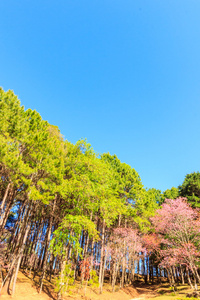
{"points": [[47, 288], [49, 292]]}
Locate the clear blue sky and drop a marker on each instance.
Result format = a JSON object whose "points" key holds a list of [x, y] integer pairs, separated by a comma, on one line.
{"points": [[123, 74]]}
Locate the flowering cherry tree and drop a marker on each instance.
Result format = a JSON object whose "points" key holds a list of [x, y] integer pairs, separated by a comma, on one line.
{"points": [[124, 246], [177, 227]]}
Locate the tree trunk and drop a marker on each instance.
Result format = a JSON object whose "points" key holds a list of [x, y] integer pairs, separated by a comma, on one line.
{"points": [[3, 201], [61, 282], [188, 278], [47, 244], [114, 275], [101, 271], [20, 257], [5, 213], [182, 276]]}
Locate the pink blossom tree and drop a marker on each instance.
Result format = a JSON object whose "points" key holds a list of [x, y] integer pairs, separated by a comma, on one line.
{"points": [[124, 246], [177, 225]]}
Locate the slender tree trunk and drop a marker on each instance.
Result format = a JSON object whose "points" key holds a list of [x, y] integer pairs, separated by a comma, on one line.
{"points": [[123, 264], [147, 263], [5, 213], [114, 276], [61, 281], [13, 240], [102, 258], [3, 201], [196, 273], [182, 275], [138, 268], [22, 227], [145, 270], [188, 278], [47, 245], [133, 272], [20, 257]]}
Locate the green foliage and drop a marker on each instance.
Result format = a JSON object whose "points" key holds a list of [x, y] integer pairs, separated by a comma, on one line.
{"points": [[66, 280], [172, 193], [93, 278], [68, 233], [70, 189], [190, 189], [145, 208], [126, 185]]}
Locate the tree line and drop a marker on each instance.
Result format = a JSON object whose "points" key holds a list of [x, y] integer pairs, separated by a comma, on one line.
{"points": [[67, 212]]}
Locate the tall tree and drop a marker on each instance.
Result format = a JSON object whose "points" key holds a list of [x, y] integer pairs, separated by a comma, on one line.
{"points": [[190, 188], [172, 193], [177, 225]]}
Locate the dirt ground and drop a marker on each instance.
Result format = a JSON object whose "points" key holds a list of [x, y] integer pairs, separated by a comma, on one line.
{"points": [[26, 289]]}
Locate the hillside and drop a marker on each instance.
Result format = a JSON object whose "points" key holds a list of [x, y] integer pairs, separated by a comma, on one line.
{"points": [[28, 289]]}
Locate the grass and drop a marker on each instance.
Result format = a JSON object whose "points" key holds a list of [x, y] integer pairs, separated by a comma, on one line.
{"points": [[180, 294]]}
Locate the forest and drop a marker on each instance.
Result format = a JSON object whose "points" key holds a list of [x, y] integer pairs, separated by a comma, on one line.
{"points": [[71, 215]]}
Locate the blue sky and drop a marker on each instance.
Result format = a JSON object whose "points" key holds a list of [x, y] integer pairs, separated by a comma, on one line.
{"points": [[123, 74]]}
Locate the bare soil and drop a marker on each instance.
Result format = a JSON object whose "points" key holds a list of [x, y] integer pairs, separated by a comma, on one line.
{"points": [[27, 289]]}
